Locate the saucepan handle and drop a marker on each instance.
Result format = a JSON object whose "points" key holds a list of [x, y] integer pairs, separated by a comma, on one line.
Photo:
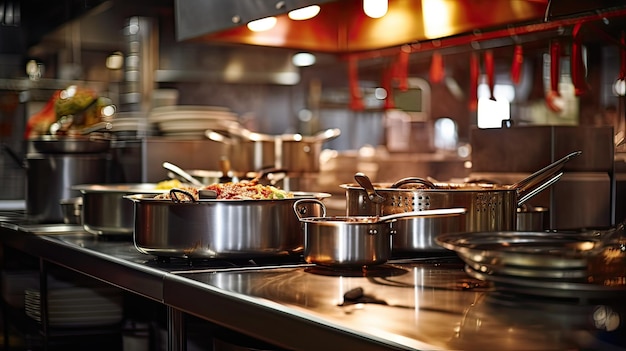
{"points": [[302, 210]]}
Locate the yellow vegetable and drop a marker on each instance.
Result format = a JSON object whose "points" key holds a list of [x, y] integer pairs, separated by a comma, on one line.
{"points": [[169, 184]]}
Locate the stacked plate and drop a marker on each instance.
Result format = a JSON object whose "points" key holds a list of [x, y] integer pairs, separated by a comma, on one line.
{"points": [[191, 122], [557, 264], [130, 124], [77, 306]]}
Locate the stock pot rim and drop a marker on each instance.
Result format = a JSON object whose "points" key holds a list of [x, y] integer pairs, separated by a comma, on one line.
{"points": [[70, 144], [297, 196], [386, 187]]}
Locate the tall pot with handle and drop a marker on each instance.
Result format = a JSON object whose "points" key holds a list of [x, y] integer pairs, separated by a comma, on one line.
{"points": [[49, 180], [489, 207]]}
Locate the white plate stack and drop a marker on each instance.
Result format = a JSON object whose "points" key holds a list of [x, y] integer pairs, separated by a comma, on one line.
{"points": [[77, 306], [189, 122], [130, 124]]}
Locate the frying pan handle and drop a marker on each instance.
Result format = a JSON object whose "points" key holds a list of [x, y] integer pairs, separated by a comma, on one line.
{"points": [[301, 211], [413, 180]]}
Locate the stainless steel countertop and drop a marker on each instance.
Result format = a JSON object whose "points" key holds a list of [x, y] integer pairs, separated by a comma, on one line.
{"points": [[418, 304]]}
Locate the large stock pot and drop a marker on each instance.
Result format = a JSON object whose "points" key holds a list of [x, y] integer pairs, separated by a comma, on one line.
{"points": [[217, 228], [490, 207]]}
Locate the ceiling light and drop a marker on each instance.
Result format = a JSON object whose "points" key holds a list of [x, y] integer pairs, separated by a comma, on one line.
{"points": [[304, 13], [303, 59], [262, 24], [375, 8]]}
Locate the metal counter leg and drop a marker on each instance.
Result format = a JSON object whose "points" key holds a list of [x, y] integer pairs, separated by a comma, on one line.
{"points": [[176, 337]]}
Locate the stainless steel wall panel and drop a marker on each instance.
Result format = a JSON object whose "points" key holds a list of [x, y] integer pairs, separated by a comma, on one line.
{"points": [[596, 143], [517, 149], [581, 199], [187, 154]]}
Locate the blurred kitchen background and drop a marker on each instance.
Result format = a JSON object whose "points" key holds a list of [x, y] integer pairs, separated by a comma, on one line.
{"points": [[471, 97]]}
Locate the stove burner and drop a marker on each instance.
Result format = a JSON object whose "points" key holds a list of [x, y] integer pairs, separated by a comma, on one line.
{"points": [[366, 271]]}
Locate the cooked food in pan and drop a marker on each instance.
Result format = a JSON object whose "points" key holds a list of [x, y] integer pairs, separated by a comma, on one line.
{"points": [[247, 190], [242, 190]]}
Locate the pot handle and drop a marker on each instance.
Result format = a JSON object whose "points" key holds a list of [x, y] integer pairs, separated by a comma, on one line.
{"points": [[186, 196], [367, 185], [301, 211], [539, 176], [539, 189], [413, 180], [219, 137], [327, 135]]}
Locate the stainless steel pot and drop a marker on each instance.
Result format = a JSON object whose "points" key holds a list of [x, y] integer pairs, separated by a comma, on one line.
{"points": [[53, 165], [355, 241], [105, 211], [532, 218], [251, 151], [49, 178], [215, 228], [302, 153], [489, 207]]}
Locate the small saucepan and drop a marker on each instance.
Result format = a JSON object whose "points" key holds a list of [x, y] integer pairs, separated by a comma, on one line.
{"points": [[353, 241]]}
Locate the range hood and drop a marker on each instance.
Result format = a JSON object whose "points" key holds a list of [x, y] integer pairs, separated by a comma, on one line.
{"points": [[342, 26]]}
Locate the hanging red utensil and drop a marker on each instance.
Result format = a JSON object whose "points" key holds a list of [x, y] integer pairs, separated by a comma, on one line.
{"points": [[387, 84], [555, 66], [518, 61], [552, 96], [356, 98], [402, 72], [622, 56], [436, 68], [489, 70], [577, 67], [473, 89]]}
